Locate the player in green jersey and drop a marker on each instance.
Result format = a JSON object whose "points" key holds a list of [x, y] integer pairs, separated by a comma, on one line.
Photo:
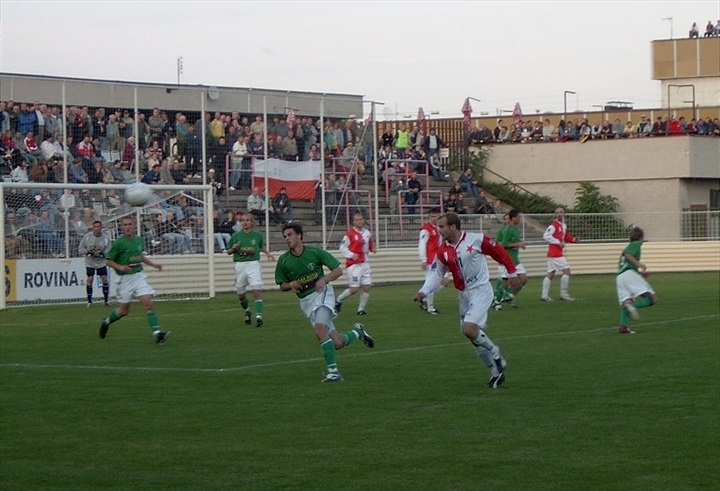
{"points": [[245, 247], [501, 280], [127, 257], [512, 242], [633, 290], [300, 270]]}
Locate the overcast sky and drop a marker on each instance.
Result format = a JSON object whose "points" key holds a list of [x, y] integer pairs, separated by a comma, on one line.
{"points": [[404, 54]]}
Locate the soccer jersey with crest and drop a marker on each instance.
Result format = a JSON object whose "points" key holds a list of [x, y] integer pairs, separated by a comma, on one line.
{"points": [[466, 260], [127, 252], [358, 242], [429, 242], [249, 245], [306, 268]]}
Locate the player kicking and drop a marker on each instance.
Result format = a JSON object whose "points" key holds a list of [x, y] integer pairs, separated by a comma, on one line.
{"points": [[94, 246], [300, 270], [633, 290], [463, 254], [126, 256], [245, 247]]}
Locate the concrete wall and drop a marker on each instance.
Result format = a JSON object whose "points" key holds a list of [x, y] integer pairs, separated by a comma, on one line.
{"points": [[647, 174], [402, 266]]}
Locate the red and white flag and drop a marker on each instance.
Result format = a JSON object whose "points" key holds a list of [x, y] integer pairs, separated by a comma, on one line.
{"points": [[298, 178], [291, 119]]}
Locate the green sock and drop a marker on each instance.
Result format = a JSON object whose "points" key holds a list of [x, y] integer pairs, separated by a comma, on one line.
{"points": [[643, 302], [498, 289], [113, 317], [244, 303], [350, 336], [624, 317], [328, 350], [153, 321], [258, 307]]}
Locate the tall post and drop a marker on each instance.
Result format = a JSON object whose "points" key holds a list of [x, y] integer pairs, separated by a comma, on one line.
{"points": [[265, 158], [565, 103], [375, 169], [322, 173], [64, 135], [203, 129]]}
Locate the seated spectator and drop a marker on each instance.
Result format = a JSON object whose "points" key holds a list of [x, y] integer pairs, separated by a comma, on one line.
{"points": [[643, 127], [658, 127], [48, 151], [19, 173], [618, 129], [451, 203], [256, 204], [76, 173], [483, 205], [223, 229], [413, 192], [16, 245], [503, 135], [31, 147], [695, 32], [281, 207], [468, 183], [674, 126], [709, 29], [460, 207], [40, 172], [629, 130], [215, 182], [397, 185], [177, 174], [548, 131], [153, 175]]}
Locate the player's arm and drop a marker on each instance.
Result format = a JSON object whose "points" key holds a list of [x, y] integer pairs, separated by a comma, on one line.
{"points": [[82, 247], [496, 251], [570, 238], [632, 259], [150, 263], [549, 238], [121, 268], [345, 248], [265, 251], [433, 281], [422, 248]]}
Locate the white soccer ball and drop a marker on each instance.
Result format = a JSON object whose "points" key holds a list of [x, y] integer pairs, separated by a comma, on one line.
{"points": [[138, 194]]}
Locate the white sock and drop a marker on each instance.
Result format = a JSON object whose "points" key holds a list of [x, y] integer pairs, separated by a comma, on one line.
{"points": [[546, 287], [343, 295], [430, 301], [564, 283], [364, 296]]}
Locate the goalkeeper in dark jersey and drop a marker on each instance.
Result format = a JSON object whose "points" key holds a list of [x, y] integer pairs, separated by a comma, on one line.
{"points": [[94, 246]]}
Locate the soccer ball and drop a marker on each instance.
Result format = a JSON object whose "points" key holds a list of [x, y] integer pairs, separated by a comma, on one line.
{"points": [[138, 194]]}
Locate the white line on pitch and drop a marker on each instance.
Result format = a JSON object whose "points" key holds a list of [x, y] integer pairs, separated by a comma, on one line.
{"points": [[349, 355]]}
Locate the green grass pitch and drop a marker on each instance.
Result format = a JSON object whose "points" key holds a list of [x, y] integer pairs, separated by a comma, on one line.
{"points": [[224, 406]]}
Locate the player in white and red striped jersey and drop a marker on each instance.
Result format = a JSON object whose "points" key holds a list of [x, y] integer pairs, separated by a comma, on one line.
{"points": [[463, 254], [355, 247], [556, 235], [428, 245]]}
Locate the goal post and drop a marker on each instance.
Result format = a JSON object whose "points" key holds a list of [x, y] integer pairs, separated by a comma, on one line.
{"points": [[43, 225]]}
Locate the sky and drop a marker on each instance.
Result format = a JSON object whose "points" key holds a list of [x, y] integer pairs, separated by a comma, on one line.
{"points": [[403, 54]]}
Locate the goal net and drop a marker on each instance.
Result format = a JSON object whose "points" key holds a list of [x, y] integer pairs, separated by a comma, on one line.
{"points": [[44, 224]]}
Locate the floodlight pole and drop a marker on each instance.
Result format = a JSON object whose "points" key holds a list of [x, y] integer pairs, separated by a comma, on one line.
{"points": [[565, 103]]}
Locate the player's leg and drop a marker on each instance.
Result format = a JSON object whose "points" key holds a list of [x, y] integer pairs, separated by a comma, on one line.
{"points": [[89, 285], [255, 281], [241, 284], [366, 282], [105, 284], [126, 289], [353, 286], [329, 340], [152, 318], [565, 284], [474, 309], [545, 295], [257, 295]]}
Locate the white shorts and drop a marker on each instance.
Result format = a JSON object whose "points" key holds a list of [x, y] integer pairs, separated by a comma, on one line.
{"points": [[359, 274], [248, 274], [131, 286], [474, 305], [557, 264], [502, 271], [315, 301], [630, 284]]}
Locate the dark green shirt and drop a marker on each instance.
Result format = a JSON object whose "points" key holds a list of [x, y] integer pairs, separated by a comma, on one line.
{"points": [[306, 268], [127, 252], [249, 245]]}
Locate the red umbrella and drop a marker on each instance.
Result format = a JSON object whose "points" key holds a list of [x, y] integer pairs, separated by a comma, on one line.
{"points": [[421, 122], [467, 112], [517, 114]]}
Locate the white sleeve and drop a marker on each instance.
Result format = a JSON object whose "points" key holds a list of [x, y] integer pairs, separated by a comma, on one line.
{"points": [[548, 236], [344, 247], [422, 246], [434, 279]]}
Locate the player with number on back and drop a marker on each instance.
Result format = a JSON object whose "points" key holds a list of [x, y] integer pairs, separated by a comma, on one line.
{"points": [[633, 290], [95, 246], [463, 254], [127, 256], [300, 270]]}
